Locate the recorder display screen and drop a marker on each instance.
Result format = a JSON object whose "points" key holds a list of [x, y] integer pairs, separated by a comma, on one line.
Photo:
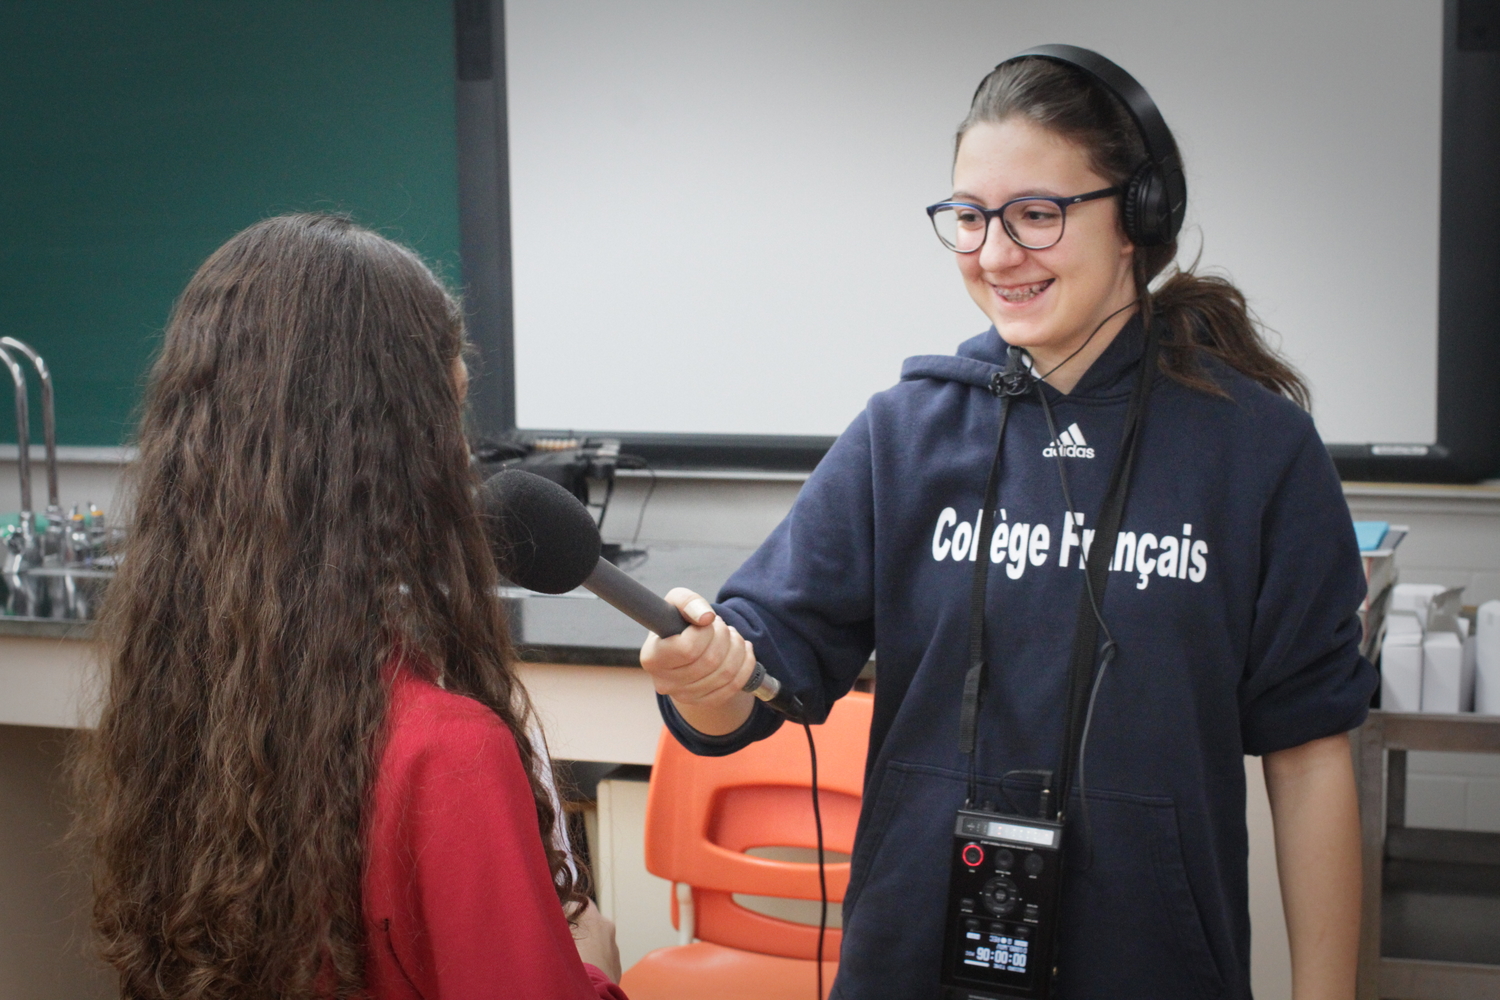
{"points": [[995, 949], [977, 826]]}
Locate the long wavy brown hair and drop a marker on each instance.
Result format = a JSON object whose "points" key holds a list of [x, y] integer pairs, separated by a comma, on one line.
{"points": [[1193, 314], [302, 510]]}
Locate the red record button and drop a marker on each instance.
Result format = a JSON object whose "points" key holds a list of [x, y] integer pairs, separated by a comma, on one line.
{"points": [[973, 855]]}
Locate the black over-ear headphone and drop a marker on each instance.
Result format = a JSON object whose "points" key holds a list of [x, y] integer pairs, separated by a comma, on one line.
{"points": [[1155, 198]]}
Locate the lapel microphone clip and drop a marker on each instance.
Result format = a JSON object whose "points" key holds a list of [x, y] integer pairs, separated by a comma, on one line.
{"points": [[1016, 378]]}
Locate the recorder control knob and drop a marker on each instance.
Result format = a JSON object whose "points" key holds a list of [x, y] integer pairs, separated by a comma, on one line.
{"points": [[973, 855], [1000, 895]]}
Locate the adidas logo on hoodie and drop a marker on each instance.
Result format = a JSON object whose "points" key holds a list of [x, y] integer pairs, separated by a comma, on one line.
{"points": [[1069, 444]]}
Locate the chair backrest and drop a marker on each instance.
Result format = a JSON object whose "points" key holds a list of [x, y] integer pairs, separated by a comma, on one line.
{"points": [[703, 813]]}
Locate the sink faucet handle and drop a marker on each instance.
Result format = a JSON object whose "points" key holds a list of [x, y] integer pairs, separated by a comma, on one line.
{"points": [[23, 437], [49, 417]]}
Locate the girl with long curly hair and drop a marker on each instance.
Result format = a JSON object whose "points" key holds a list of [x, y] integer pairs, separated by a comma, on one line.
{"points": [[312, 776]]}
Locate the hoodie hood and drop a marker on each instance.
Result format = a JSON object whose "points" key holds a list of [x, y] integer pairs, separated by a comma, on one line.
{"points": [[979, 358]]}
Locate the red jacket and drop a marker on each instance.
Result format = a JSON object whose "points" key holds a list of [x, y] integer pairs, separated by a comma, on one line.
{"points": [[458, 900]]}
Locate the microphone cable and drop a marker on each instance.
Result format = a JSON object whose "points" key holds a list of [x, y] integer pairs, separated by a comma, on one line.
{"points": [[1108, 652], [812, 755], [1080, 347], [1017, 385], [637, 462]]}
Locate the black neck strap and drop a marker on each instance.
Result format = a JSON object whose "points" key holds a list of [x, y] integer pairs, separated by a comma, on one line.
{"points": [[1012, 382]]}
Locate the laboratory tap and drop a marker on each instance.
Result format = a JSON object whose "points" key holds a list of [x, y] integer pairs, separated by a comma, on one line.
{"points": [[24, 548], [52, 541]]}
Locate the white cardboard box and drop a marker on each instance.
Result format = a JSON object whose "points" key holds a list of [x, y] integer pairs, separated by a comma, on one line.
{"points": [[1442, 672], [1487, 659], [1401, 672]]}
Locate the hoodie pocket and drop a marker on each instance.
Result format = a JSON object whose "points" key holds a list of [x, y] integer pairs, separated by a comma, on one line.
{"points": [[898, 885], [1131, 926], [884, 803]]}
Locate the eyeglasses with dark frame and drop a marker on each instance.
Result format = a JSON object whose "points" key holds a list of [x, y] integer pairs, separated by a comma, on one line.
{"points": [[1034, 222]]}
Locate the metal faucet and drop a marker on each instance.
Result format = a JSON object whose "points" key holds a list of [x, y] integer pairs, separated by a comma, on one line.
{"points": [[25, 548], [55, 526]]}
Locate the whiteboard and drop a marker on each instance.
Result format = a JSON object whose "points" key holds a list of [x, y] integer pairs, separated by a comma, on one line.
{"points": [[717, 220]]}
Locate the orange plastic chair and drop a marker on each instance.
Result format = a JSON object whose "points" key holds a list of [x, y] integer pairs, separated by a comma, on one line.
{"points": [[703, 813]]}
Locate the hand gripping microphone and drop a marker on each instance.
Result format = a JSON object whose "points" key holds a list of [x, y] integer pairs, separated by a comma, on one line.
{"points": [[543, 539]]}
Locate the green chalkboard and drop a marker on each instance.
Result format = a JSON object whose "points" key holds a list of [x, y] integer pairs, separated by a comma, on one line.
{"points": [[136, 137]]}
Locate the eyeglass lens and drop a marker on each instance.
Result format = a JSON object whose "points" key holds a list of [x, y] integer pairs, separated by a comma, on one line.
{"points": [[1035, 225]]}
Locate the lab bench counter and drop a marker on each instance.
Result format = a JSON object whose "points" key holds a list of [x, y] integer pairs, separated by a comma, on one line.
{"points": [[580, 661], [1431, 927]]}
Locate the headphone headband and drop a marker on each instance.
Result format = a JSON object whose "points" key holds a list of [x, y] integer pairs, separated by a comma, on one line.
{"points": [[1160, 145], [1157, 197]]}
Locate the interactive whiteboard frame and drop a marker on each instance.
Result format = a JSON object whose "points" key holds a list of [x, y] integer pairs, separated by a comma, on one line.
{"points": [[1468, 364]]}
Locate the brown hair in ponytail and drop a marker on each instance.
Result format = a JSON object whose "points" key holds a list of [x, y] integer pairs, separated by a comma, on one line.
{"points": [[1193, 313]]}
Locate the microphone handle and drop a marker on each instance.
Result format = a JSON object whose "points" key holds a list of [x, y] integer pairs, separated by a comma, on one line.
{"points": [[623, 592], [629, 595]]}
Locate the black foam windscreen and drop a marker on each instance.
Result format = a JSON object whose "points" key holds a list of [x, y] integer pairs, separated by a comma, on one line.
{"points": [[542, 537]]}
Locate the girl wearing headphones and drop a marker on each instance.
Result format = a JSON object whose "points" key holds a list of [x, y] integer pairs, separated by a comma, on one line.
{"points": [[312, 776], [1229, 595]]}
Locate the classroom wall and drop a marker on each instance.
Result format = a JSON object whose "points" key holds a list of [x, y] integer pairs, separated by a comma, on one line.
{"points": [[43, 900], [89, 475]]}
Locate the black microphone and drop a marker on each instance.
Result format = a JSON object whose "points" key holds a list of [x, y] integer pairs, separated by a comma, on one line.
{"points": [[1016, 379], [543, 539]]}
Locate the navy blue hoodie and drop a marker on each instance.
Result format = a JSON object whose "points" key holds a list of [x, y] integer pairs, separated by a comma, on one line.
{"points": [[1232, 598]]}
